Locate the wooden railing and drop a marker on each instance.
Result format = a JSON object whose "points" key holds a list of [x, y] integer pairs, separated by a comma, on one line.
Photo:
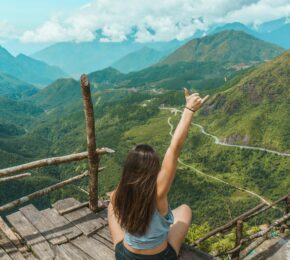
{"points": [[242, 247], [93, 156]]}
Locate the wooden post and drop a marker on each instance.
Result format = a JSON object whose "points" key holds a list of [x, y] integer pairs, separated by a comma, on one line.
{"points": [[93, 158], [239, 236], [287, 210]]}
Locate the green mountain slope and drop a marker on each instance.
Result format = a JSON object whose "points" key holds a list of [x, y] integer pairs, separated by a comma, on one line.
{"points": [[138, 60], [225, 47], [256, 109], [58, 93], [28, 69], [14, 88]]}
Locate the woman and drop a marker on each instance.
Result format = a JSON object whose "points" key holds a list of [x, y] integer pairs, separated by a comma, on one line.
{"points": [[141, 222]]}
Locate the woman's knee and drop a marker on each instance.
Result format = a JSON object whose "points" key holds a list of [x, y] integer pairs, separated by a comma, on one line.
{"points": [[186, 211]]}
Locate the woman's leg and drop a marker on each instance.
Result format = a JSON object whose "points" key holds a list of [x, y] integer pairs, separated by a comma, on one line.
{"points": [[116, 231], [178, 230]]}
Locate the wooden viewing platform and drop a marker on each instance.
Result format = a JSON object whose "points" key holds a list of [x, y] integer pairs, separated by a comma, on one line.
{"points": [[68, 230]]}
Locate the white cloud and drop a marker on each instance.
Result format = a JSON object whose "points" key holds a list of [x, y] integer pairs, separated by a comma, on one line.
{"points": [[154, 20], [7, 31]]}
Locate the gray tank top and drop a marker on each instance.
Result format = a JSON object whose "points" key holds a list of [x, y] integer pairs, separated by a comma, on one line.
{"points": [[156, 233]]}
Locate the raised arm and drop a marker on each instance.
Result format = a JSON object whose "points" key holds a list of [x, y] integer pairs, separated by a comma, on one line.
{"points": [[168, 168]]}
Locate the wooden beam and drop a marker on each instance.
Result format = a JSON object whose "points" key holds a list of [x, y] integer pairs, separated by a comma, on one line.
{"points": [[264, 232], [52, 161], [75, 207], [42, 192], [252, 246], [93, 158], [228, 225], [16, 177], [284, 198]]}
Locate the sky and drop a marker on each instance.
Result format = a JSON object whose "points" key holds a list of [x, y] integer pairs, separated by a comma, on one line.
{"points": [[30, 25]]}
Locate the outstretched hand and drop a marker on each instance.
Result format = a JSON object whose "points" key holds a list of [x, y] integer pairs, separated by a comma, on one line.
{"points": [[194, 101]]}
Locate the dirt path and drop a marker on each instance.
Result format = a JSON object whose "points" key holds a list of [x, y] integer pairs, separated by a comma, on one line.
{"points": [[219, 142]]}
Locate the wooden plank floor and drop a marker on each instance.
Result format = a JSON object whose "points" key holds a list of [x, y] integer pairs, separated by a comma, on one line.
{"points": [[45, 234]]}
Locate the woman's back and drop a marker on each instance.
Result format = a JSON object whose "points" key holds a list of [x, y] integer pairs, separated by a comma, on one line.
{"points": [[155, 234]]}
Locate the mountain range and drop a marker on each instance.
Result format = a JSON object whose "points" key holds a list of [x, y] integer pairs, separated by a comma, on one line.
{"points": [[202, 64], [28, 69], [86, 57], [276, 31], [128, 56]]}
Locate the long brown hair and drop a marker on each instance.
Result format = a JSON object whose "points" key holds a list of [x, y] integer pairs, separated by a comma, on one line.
{"points": [[135, 197]]}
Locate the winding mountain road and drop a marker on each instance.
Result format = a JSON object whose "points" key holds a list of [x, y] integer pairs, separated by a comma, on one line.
{"points": [[218, 142], [213, 177]]}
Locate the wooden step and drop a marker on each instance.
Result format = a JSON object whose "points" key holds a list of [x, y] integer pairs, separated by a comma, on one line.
{"points": [[3, 255], [61, 224], [94, 248], [43, 224], [12, 237], [9, 247], [84, 219], [68, 251], [31, 235]]}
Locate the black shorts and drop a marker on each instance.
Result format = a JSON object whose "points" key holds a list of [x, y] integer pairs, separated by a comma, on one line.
{"points": [[122, 253]]}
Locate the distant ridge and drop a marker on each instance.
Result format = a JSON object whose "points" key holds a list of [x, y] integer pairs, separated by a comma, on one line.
{"points": [[28, 69], [14, 88], [226, 47], [86, 57], [138, 60]]}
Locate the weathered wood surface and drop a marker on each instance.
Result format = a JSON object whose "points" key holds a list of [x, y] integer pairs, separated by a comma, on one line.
{"points": [[16, 177], [61, 224], [79, 246], [252, 246], [84, 219], [68, 252], [43, 224], [73, 208], [94, 248], [93, 158], [104, 241], [105, 233], [11, 236], [52, 161], [42, 192], [31, 235], [104, 214], [9, 247], [3, 255]]}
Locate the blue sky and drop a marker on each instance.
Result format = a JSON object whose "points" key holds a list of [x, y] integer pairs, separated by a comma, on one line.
{"points": [[29, 25], [27, 14]]}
